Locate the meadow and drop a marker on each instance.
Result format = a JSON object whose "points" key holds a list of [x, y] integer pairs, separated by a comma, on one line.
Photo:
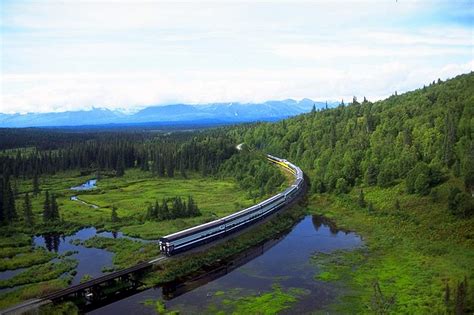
{"points": [[131, 195], [415, 258]]}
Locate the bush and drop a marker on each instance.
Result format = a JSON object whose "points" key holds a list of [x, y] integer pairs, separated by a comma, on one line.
{"points": [[460, 203]]}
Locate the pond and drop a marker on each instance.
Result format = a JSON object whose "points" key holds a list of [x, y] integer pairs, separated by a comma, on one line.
{"points": [[284, 261], [90, 260], [90, 184]]}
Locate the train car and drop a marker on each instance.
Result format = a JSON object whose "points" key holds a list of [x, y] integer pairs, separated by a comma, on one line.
{"points": [[195, 236]]}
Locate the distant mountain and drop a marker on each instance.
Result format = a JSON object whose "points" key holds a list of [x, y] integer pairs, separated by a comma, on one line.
{"points": [[216, 112]]}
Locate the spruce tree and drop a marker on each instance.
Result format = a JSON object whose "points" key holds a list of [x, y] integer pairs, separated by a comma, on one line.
{"points": [[149, 212], [27, 211], [114, 216], [54, 208], [165, 210], [35, 185], [120, 171], [46, 208], [156, 210], [9, 208]]}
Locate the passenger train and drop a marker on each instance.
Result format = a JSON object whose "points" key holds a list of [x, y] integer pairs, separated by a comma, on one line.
{"points": [[204, 233]]}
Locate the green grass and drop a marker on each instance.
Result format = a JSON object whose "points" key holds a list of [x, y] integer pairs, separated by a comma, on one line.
{"points": [[127, 252], [272, 302], [31, 291], [15, 240], [136, 190], [131, 194], [26, 259], [40, 273], [412, 253]]}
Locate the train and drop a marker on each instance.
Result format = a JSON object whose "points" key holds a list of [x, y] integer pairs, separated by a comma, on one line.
{"points": [[207, 232]]}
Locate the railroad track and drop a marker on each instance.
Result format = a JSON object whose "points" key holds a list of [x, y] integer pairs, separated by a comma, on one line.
{"points": [[196, 236]]}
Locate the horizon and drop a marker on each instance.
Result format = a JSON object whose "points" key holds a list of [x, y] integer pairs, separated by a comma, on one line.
{"points": [[70, 56]]}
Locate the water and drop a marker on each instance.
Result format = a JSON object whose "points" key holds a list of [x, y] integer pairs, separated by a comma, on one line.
{"points": [[285, 261], [90, 184], [75, 198], [7, 274], [90, 260]]}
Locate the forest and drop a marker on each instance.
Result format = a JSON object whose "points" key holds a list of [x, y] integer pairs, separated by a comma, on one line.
{"points": [[398, 171], [422, 138]]}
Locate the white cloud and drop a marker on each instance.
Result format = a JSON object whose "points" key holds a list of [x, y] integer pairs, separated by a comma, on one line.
{"points": [[63, 55], [135, 90]]}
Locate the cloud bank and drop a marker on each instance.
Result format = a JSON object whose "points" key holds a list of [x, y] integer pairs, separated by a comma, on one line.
{"points": [[70, 55]]}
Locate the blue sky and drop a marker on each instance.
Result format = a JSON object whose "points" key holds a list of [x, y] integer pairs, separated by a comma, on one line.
{"points": [[69, 55]]}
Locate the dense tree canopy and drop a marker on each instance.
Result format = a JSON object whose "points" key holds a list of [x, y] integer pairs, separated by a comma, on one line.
{"points": [[421, 137]]}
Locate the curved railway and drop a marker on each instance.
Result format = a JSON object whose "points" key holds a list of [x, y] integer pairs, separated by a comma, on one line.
{"points": [[181, 241], [207, 232]]}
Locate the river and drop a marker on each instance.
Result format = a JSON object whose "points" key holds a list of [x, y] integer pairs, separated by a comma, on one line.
{"points": [[285, 261]]}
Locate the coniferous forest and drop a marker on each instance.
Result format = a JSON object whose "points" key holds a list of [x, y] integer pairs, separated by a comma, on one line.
{"points": [[398, 171], [421, 138]]}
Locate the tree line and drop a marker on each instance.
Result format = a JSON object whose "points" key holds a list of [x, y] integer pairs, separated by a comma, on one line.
{"points": [[164, 155], [421, 138], [173, 208]]}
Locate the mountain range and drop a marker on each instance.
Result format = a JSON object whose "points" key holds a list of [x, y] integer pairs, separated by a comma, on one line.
{"points": [[175, 113]]}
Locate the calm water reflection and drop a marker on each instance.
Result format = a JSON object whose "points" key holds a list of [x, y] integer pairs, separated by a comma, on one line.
{"points": [[286, 262]]}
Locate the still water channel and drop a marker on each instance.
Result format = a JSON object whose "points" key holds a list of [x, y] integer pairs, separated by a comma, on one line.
{"points": [[285, 261]]}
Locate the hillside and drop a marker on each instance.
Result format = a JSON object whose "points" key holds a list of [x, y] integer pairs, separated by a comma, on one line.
{"points": [[428, 131], [401, 173]]}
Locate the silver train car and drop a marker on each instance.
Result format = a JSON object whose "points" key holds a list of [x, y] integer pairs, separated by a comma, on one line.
{"points": [[204, 233]]}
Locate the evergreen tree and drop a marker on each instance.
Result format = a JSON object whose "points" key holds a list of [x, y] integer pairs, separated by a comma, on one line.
{"points": [[120, 170], [150, 212], [157, 211], [114, 216], [193, 209], [54, 208], [165, 210], [9, 208], [27, 211], [36, 188], [46, 208]]}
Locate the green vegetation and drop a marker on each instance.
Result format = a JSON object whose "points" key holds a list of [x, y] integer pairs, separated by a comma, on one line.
{"points": [[67, 308], [26, 259], [127, 252], [414, 251], [272, 302], [400, 172], [422, 137], [40, 273], [253, 173], [178, 209], [159, 307], [412, 155], [31, 291]]}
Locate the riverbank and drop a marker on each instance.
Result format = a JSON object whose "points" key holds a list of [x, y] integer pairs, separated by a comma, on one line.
{"points": [[81, 227], [417, 254]]}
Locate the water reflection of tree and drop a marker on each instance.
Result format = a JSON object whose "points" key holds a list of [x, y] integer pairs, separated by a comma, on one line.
{"points": [[52, 241], [319, 220]]}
